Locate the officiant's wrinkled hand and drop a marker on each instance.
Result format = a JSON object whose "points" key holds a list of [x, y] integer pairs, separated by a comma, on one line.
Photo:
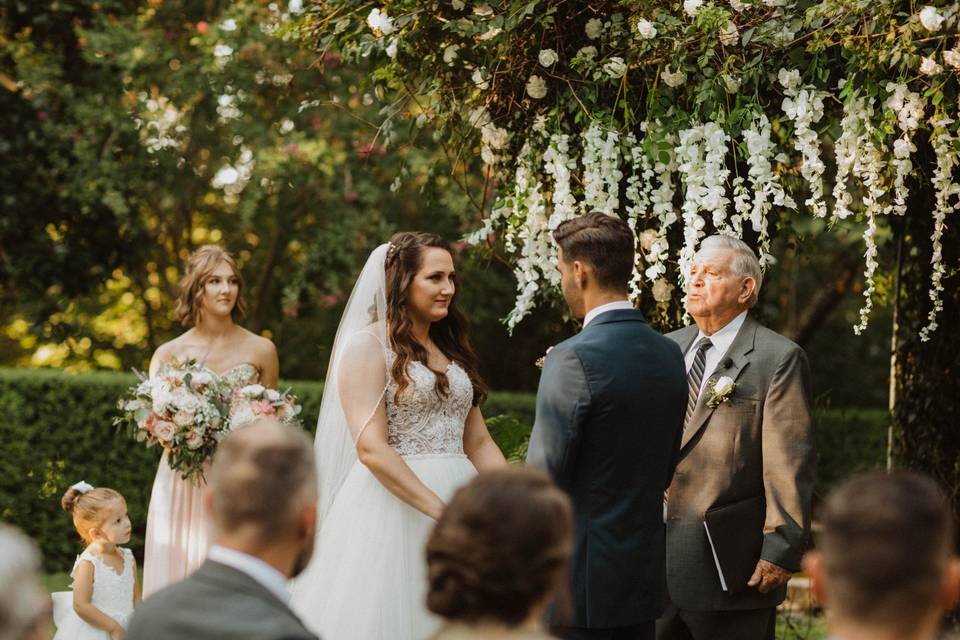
{"points": [[768, 576]]}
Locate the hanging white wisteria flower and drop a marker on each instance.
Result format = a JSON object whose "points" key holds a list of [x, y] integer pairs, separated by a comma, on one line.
{"points": [[661, 199], [908, 106], [601, 170], [804, 106], [536, 87], [846, 147], [646, 29], [945, 150], [930, 18], [548, 57], [767, 189], [558, 164]]}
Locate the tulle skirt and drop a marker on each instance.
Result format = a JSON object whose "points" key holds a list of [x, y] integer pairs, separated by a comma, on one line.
{"points": [[177, 530], [71, 626], [367, 579]]}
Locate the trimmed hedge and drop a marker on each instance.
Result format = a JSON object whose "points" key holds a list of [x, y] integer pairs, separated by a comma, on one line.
{"points": [[56, 428]]}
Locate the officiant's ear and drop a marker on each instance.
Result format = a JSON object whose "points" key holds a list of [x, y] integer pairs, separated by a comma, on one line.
{"points": [[747, 286], [813, 567]]}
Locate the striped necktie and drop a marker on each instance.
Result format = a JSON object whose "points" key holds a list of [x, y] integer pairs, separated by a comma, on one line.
{"points": [[695, 377]]}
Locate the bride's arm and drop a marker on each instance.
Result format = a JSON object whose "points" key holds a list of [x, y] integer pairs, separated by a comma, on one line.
{"points": [[270, 364], [479, 446], [391, 469], [361, 387]]}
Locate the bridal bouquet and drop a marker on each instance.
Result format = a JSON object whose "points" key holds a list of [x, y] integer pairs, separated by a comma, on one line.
{"points": [[184, 409], [254, 401]]}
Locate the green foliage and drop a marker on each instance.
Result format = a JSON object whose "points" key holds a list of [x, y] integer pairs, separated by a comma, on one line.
{"points": [[57, 429]]}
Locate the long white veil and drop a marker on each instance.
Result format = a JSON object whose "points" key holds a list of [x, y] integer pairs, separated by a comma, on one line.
{"points": [[356, 378]]}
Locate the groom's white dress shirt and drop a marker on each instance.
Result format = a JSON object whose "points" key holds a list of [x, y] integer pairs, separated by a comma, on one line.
{"points": [[267, 576], [610, 306], [721, 340]]}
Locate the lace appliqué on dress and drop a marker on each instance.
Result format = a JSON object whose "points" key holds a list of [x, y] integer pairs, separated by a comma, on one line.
{"points": [[112, 591], [424, 421]]}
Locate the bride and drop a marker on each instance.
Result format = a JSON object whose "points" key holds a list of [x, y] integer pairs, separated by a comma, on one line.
{"points": [[400, 430]]}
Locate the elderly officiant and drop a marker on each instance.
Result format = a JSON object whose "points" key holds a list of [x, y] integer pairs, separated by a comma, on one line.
{"points": [[738, 509]]}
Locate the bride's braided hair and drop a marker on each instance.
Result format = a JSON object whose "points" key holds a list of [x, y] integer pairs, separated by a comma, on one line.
{"points": [[403, 260]]}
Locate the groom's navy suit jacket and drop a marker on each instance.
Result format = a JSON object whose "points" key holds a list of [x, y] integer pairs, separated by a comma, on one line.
{"points": [[609, 421]]}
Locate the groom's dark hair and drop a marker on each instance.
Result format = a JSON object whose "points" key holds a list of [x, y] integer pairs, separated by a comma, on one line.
{"points": [[603, 241]]}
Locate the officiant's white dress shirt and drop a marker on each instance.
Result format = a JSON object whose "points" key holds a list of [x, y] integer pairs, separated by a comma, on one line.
{"points": [[610, 306], [267, 576], [721, 340]]}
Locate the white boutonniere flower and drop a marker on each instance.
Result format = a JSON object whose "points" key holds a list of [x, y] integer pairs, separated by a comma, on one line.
{"points": [[719, 391], [543, 358]]}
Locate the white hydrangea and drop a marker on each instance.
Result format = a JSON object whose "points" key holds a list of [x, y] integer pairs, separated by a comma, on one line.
{"points": [[930, 18], [646, 29], [536, 87]]}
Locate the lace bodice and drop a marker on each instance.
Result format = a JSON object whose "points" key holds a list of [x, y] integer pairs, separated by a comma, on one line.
{"points": [[424, 421], [112, 591], [240, 375]]}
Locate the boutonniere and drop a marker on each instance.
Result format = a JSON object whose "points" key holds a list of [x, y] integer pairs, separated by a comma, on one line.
{"points": [[543, 358], [719, 391]]}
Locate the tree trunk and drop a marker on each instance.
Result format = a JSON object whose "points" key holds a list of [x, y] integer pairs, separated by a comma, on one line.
{"points": [[926, 414]]}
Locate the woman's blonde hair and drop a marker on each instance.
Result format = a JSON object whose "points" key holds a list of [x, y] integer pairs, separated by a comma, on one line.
{"points": [[200, 265], [89, 509]]}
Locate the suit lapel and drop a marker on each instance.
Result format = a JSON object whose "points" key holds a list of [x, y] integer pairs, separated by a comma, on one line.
{"points": [[736, 360]]}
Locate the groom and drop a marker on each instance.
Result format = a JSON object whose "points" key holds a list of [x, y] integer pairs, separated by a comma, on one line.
{"points": [[609, 418]]}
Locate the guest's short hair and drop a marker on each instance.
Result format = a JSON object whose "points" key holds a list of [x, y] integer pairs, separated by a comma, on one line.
{"points": [[886, 544], [261, 477], [605, 242], [23, 601], [501, 546], [200, 265], [744, 263]]}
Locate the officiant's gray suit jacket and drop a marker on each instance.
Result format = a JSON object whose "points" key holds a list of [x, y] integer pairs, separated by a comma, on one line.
{"points": [[757, 444], [216, 602], [609, 416]]}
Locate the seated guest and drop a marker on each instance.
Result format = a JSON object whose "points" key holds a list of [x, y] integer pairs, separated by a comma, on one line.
{"points": [[885, 567], [498, 556], [24, 604], [262, 502]]}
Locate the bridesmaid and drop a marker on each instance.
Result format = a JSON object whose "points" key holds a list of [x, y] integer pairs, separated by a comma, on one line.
{"points": [[209, 304]]}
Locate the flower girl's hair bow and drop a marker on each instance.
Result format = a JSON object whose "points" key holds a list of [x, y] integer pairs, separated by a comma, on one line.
{"points": [[82, 487]]}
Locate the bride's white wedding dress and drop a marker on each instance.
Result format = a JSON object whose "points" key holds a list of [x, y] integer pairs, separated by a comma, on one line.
{"points": [[367, 580]]}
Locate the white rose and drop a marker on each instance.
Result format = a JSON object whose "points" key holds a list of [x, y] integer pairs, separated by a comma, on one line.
{"points": [[671, 78], [391, 49], [194, 440], [450, 53], [729, 35], [548, 57], [723, 386], [929, 67], [646, 29], [536, 87], [952, 58], [789, 79], [242, 416], [183, 418], [615, 67], [252, 390], [594, 28], [930, 18], [164, 431], [692, 7], [380, 22]]}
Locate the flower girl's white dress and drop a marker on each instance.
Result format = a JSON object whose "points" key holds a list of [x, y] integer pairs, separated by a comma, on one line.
{"points": [[367, 580], [112, 594]]}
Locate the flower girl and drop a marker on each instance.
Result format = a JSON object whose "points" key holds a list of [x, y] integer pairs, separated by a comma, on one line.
{"points": [[105, 587]]}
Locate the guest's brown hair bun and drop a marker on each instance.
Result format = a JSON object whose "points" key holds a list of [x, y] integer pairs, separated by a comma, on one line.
{"points": [[501, 547]]}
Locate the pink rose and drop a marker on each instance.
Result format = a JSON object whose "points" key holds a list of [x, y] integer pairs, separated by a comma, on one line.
{"points": [[194, 440], [150, 423], [164, 430], [183, 418], [262, 408]]}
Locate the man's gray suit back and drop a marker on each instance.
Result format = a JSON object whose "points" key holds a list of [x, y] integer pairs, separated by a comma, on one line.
{"points": [[758, 444], [214, 603]]}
